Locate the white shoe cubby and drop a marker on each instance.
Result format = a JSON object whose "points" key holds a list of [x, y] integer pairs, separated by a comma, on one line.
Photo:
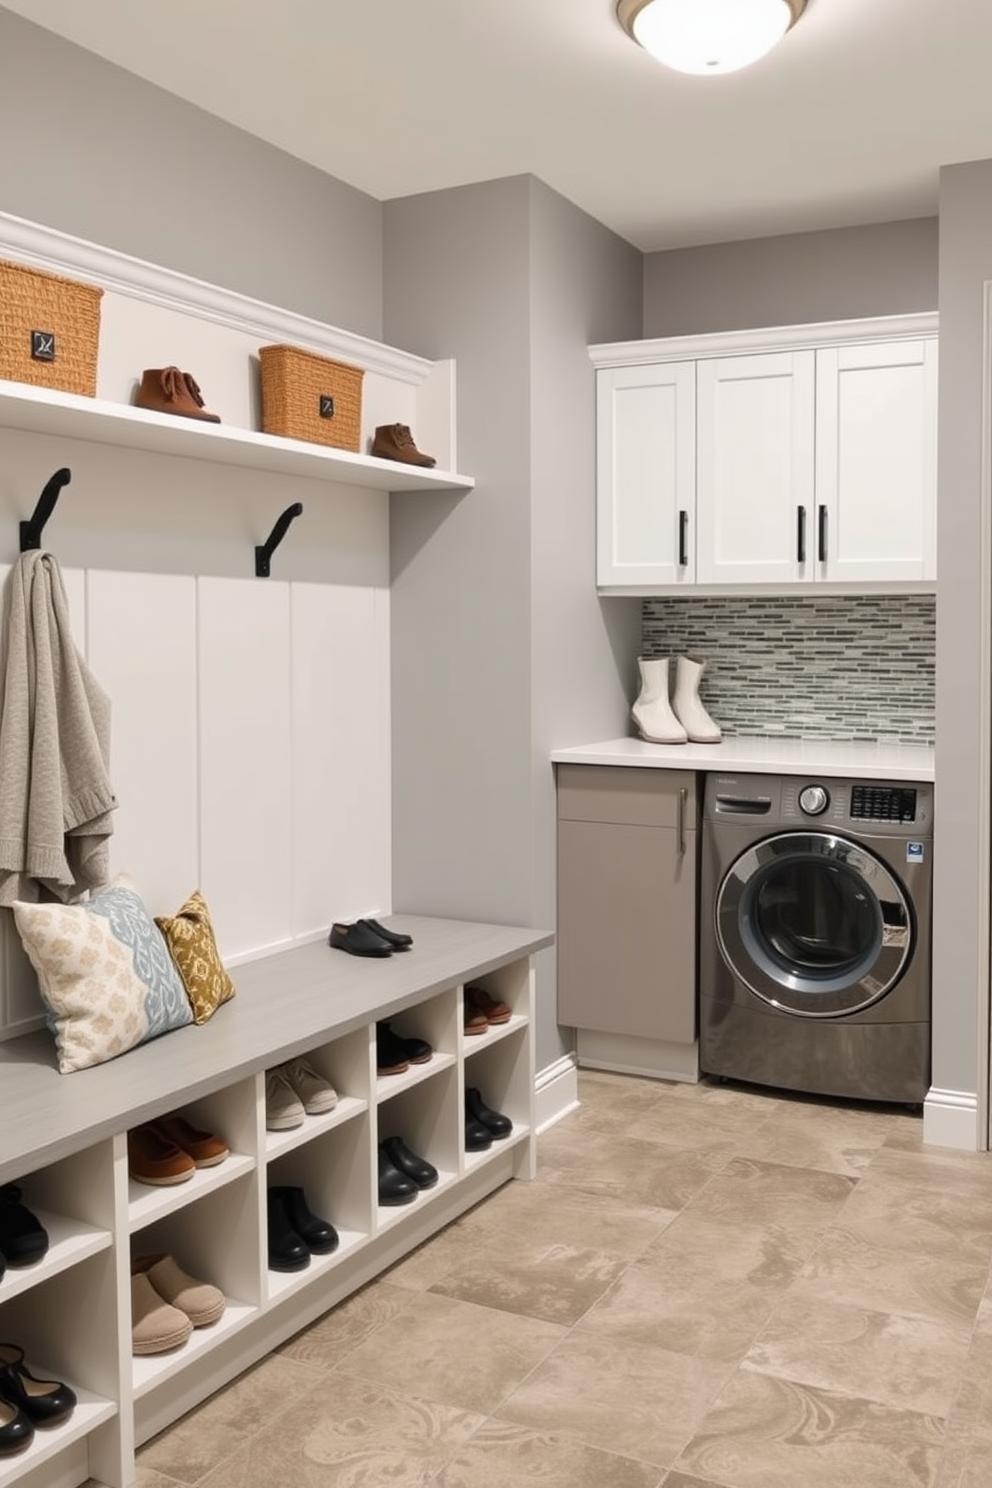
{"points": [[65, 1145]]}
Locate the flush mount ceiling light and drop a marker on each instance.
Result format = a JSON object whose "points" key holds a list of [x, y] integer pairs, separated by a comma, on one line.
{"points": [[704, 36]]}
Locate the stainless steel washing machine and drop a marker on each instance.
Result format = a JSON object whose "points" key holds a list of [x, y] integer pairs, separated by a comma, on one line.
{"points": [[814, 955]]}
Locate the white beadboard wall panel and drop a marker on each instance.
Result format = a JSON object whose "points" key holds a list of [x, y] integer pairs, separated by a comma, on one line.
{"points": [[21, 1007], [341, 765], [246, 761], [142, 648]]}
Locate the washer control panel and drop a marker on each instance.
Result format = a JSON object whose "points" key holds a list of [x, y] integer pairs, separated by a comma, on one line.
{"points": [[887, 803], [813, 799]]}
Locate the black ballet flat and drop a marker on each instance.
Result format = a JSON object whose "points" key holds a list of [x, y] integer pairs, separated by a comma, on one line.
{"points": [[43, 1402]]}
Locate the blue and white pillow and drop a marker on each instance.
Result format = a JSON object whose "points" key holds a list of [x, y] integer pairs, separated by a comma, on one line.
{"points": [[105, 974]]}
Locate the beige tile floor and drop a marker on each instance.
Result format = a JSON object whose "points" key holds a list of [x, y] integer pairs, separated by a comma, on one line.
{"points": [[706, 1285]]}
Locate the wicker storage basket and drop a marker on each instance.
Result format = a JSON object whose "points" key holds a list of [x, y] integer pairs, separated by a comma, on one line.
{"points": [[309, 397], [49, 329]]}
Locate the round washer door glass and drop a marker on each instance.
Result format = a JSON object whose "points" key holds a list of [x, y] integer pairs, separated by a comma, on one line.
{"points": [[813, 924]]}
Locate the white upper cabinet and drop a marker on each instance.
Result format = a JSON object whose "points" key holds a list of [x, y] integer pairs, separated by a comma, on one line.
{"points": [[876, 461], [754, 488], [646, 456], [798, 456]]}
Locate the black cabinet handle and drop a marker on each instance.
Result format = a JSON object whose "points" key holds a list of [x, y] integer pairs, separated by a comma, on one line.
{"points": [[821, 537], [800, 534], [683, 529]]}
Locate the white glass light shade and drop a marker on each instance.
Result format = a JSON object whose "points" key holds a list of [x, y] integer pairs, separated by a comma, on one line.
{"points": [[704, 36]]}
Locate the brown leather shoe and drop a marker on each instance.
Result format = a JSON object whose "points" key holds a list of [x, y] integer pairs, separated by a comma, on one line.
{"points": [[153, 1159], [204, 1148], [493, 1009], [167, 390], [395, 442]]}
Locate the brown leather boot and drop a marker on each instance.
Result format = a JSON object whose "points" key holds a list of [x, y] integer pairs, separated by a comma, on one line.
{"points": [[395, 442], [167, 390]]}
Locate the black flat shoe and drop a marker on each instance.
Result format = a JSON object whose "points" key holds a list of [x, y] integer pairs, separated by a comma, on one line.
{"points": [[396, 938], [23, 1239], [423, 1173], [16, 1431], [394, 1187], [498, 1125], [288, 1251], [358, 940], [391, 1057], [477, 1136], [416, 1050], [44, 1402], [318, 1235]]}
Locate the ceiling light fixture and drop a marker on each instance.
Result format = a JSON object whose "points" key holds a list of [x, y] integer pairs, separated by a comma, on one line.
{"points": [[703, 36]]}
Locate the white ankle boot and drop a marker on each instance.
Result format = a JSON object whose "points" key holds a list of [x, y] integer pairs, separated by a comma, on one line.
{"points": [[690, 712], [653, 712]]}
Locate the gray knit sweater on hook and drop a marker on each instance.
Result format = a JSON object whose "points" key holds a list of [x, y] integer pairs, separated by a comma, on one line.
{"points": [[56, 798]]}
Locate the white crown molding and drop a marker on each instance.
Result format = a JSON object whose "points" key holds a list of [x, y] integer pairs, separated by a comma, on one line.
{"points": [[770, 338], [55, 252]]}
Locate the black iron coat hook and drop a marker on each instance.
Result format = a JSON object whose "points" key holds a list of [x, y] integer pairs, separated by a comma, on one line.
{"points": [[32, 529], [275, 537]]}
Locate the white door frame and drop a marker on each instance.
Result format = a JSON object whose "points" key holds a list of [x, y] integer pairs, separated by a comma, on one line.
{"points": [[984, 1009]]}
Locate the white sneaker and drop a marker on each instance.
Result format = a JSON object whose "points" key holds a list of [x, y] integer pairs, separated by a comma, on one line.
{"points": [[283, 1107], [317, 1094]]}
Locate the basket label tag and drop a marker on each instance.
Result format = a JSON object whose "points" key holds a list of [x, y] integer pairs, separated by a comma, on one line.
{"points": [[326, 406], [43, 346]]}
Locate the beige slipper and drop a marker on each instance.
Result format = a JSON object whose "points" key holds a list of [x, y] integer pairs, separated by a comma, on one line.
{"points": [[200, 1302], [155, 1326]]}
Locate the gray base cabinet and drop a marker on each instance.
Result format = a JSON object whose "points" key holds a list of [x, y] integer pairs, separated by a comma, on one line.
{"points": [[627, 889]]}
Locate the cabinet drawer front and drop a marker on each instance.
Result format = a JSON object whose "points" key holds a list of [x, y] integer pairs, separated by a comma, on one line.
{"points": [[628, 796]]}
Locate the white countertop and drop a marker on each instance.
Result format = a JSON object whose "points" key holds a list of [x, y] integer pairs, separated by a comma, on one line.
{"points": [[857, 761]]}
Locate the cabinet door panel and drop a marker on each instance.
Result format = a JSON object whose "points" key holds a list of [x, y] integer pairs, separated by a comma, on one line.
{"points": [[646, 474], [755, 467], [876, 460], [626, 930]]}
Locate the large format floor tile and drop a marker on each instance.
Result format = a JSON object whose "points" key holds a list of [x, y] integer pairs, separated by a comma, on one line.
{"points": [[774, 1433], [453, 1352], [707, 1286]]}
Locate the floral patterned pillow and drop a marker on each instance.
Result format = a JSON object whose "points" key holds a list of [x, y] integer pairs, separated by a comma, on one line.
{"points": [[105, 974]]}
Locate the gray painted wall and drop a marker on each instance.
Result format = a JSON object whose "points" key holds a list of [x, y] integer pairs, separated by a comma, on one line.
{"points": [[841, 274], [94, 151], [501, 649], [585, 286], [960, 919]]}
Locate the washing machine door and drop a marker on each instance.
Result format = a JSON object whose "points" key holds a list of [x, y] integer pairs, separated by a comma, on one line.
{"points": [[813, 924]]}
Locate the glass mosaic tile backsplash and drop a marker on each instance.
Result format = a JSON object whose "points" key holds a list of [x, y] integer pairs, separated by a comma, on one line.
{"points": [[837, 667]]}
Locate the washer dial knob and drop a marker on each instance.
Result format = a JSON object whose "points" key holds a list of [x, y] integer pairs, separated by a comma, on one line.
{"points": [[813, 800]]}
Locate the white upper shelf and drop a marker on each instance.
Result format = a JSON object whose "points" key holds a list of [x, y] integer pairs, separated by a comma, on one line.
{"points": [[45, 411]]}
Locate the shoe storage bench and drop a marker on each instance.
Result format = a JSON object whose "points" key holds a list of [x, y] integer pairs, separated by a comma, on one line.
{"points": [[63, 1139]]}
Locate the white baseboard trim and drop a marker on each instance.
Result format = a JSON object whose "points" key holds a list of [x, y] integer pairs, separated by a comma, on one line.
{"points": [[556, 1092], [655, 1059], [950, 1119]]}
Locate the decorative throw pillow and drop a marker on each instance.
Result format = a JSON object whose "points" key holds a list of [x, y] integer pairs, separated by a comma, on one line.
{"points": [[190, 937], [106, 977]]}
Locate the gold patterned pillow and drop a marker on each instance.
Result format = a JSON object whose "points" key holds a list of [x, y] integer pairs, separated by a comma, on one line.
{"points": [[190, 938]]}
